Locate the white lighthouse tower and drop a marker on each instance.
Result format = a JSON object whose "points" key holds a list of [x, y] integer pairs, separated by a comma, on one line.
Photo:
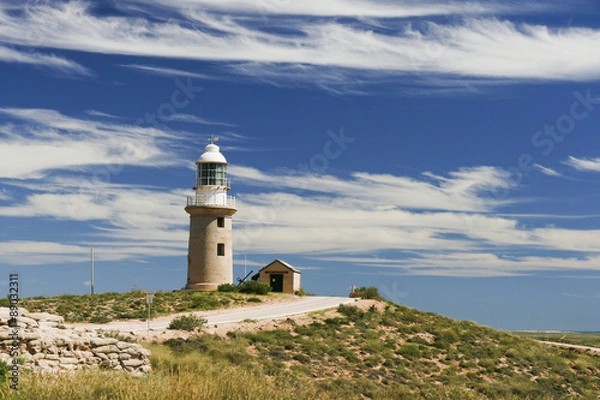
{"points": [[210, 252]]}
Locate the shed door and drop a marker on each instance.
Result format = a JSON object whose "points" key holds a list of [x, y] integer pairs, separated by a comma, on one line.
{"points": [[277, 283]]}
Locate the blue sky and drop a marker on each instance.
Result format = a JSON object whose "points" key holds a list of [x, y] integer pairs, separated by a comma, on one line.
{"points": [[444, 152]]}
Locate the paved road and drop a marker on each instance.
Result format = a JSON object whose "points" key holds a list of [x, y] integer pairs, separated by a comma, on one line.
{"points": [[265, 311]]}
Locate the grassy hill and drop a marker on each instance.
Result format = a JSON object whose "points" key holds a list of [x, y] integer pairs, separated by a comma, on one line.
{"points": [[384, 352]]}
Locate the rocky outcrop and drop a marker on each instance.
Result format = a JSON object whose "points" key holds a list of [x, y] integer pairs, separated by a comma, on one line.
{"points": [[48, 346]]}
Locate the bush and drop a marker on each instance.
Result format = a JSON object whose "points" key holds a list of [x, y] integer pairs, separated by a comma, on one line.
{"points": [[410, 352], [227, 287], [187, 323], [254, 287], [254, 300], [370, 292], [100, 318]]}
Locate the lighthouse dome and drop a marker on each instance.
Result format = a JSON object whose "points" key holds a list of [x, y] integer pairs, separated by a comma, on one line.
{"points": [[212, 154]]}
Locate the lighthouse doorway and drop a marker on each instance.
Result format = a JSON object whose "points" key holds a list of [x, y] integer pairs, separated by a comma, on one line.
{"points": [[277, 283]]}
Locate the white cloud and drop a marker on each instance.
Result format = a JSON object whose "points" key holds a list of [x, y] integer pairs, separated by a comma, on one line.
{"points": [[458, 192], [449, 231], [471, 264], [584, 164], [95, 113], [192, 119], [120, 206], [484, 48], [167, 71], [339, 8], [42, 60], [547, 171], [47, 253], [31, 252], [344, 222], [130, 222], [47, 140], [4, 194]]}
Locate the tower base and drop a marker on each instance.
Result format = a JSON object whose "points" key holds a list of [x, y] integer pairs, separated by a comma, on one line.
{"points": [[202, 287]]}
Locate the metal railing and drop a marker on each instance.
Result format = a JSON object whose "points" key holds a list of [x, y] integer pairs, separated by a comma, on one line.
{"points": [[210, 201]]}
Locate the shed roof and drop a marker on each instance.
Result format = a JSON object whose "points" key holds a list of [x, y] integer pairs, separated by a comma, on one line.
{"points": [[296, 270]]}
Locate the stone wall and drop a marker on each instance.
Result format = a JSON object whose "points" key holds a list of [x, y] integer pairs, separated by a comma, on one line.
{"points": [[48, 346]]}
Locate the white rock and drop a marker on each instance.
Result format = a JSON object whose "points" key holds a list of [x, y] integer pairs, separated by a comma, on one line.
{"points": [[132, 363], [96, 342], [106, 349]]}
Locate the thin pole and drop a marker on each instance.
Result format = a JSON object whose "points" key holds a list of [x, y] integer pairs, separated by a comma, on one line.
{"points": [[92, 268], [245, 265], [148, 315], [148, 301]]}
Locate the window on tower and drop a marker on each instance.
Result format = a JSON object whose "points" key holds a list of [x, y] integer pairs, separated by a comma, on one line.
{"points": [[221, 249], [221, 222], [212, 174]]}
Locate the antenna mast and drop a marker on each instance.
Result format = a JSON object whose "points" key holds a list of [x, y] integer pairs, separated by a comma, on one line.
{"points": [[92, 269]]}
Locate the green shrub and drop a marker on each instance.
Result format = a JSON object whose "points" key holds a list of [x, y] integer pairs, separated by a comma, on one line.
{"points": [[254, 300], [254, 287], [410, 352], [370, 292], [187, 323], [99, 318], [228, 287], [351, 312]]}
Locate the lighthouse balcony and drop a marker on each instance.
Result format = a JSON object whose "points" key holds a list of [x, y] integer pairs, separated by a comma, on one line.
{"points": [[211, 201]]}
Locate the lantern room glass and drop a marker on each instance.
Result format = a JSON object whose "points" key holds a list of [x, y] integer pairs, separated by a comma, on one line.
{"points": [[212, 174]]}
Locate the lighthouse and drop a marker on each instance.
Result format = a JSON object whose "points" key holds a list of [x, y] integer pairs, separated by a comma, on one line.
{"points": [[210, 252]]}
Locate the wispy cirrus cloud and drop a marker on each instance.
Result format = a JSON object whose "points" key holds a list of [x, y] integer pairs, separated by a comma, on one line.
{"points": [[473, 47], [584, 164], [457, 192], [427, 225], [474, 264], [41, 140], [354, 216], [49, 61], [171, 72], [4, 194], [192, 119], [29, 252], [96, 113], [350, 8], [547, 171], [124, 222]]}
